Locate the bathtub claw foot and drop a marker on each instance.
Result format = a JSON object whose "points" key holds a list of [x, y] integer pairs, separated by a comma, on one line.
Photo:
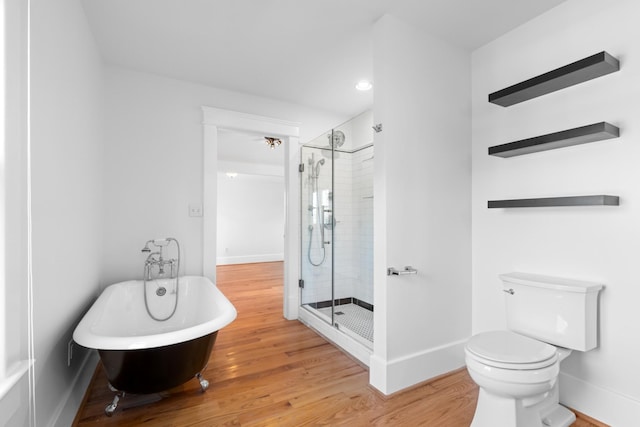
{"points": [[111, 408], [204, 384]]}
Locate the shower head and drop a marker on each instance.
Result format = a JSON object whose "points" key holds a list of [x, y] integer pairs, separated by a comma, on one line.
{"points": [[155, 242], [317, 168], [336, 138]]}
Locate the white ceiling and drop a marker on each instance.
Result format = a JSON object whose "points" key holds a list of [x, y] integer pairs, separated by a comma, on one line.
{"points": [[308, 52]]}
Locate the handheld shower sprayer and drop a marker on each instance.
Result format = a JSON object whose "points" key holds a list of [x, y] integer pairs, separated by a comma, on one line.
{"points": [[316, 170], [157, 242], [316, 208]]}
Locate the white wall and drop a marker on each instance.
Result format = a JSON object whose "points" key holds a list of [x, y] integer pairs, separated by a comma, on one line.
{"points": [[421, 206], [153, 161], [14, 344], [591, 243], [66, 124], [250, 218]]}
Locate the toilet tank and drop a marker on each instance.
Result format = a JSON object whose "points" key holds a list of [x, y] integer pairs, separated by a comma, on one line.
{"points": [[558, 311]]}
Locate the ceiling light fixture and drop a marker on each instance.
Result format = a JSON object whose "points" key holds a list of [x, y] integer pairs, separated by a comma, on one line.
{"points": [[232, 174], [364, 85], [272, 142]]}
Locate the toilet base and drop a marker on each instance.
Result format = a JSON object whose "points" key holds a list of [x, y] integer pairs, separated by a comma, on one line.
{"points": [[500, 411], [558, 417]]}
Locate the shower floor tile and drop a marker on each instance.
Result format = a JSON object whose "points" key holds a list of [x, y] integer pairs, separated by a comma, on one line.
{"points": [[355, 318]]}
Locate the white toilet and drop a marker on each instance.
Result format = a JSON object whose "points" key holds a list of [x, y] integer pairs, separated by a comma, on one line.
{"points": [[517, 370]]}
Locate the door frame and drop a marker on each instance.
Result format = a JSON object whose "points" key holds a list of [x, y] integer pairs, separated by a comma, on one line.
{"points": [[215, 119]]}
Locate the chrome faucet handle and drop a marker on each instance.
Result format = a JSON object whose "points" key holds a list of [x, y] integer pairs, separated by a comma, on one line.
{"points": [[150, 259]]}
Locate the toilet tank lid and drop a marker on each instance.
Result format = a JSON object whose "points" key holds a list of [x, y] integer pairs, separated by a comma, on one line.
{"points": [[550, 282]]}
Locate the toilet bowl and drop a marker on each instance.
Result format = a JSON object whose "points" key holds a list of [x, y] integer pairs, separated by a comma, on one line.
{"points": [[517, 369], [518, 366], [517, 380]]}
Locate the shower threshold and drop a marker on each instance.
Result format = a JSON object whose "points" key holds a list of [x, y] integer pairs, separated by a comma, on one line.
{"points": [[350, 318]]}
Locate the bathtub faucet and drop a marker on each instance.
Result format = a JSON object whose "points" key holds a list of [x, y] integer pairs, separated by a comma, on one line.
{"points": [[156, 258]]}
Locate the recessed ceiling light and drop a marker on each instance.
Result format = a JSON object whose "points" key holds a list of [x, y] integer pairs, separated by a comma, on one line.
{"points": [[232, 174], [364, 85]]}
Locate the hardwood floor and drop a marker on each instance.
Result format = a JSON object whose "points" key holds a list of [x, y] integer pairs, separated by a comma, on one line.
{"points": [[268, 371]]}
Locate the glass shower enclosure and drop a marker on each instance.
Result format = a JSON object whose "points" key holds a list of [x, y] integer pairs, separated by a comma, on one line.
{"points": [[336, 245]]}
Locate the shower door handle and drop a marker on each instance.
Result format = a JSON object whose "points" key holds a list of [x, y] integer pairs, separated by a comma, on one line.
{"points": [[407, 270]]}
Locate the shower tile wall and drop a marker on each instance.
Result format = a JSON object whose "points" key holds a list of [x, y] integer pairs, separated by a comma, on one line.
{"points": [[345, 228], [362, 168]]}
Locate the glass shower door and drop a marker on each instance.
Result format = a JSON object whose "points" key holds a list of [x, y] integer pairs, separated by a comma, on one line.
{"points": [[316, 231]]}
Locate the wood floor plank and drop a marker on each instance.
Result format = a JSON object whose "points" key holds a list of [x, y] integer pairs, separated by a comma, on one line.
{"points": [[268, 371]]}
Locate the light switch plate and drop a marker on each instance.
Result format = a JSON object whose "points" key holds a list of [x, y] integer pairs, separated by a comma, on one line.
{"points": [[195, 210]]}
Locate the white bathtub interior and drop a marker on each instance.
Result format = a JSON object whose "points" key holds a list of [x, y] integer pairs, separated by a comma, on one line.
{"points": [[118, 319]]}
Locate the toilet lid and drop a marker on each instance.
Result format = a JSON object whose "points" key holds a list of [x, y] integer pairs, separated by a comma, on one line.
{"points": [[510, 348]]}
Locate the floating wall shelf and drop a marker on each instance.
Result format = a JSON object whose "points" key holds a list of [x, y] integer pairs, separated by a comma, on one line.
{"points": [[599, 200], [578, 72], [565, 138]]}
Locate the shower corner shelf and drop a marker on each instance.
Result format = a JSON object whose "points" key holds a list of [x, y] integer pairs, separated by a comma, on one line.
{"points": [[597, 200], [577, 72], [576, 136]]}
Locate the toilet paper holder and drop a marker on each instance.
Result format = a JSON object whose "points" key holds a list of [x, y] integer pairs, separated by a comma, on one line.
{"points": [[407, 270]]}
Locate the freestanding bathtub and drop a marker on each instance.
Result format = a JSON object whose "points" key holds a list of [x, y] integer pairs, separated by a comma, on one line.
{"points": [[142, 355]]}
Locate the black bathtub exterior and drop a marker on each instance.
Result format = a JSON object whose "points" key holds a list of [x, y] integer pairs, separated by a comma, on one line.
{"points": [[157, 369]]}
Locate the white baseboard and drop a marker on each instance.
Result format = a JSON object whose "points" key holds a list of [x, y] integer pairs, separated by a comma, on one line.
{"points": [[66, 411], [247, 259], [293, 308], [397, 374], [602, 404], [348, 344], [14, 395]]}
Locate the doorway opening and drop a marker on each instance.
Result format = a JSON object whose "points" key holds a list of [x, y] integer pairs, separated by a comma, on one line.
{"points": [[219, 124], [251, 204]]}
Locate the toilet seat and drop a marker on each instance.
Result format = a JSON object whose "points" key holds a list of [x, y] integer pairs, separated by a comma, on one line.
{"points": [[508, 350]]}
